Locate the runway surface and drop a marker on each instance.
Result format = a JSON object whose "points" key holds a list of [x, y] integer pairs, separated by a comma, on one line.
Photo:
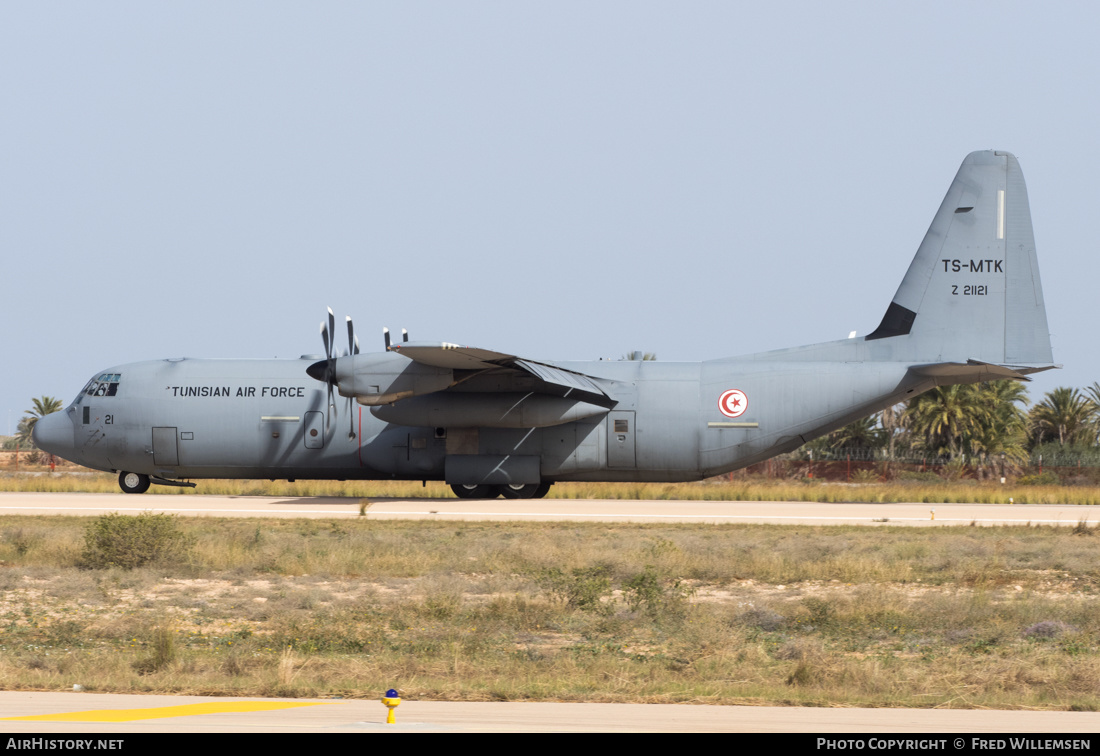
{"points": [[97, 713], [578, 510]]}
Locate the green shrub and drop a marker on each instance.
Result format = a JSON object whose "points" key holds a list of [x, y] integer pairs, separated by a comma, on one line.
{"points": [[583, 589], [1042, 479], [865, 476], [659, 598], [129, 541], [163, 647], [919, 477]]}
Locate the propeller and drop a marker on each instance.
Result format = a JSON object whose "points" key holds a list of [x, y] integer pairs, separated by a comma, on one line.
{"points": [[353, 348], [325, 370], [386, 337]]}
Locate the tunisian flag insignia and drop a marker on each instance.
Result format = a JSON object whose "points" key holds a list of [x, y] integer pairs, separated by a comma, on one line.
{"points": [[733, 403]]}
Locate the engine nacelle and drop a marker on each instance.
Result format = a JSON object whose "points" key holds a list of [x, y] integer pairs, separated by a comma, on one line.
{"points": [[475, 410], [383, 378]]}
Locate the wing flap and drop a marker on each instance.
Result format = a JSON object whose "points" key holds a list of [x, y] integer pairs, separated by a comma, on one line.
{"points": [[559, 377]]}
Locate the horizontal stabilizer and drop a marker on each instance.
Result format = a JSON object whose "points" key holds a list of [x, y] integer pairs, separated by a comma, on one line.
{"points": [[973, 371]]}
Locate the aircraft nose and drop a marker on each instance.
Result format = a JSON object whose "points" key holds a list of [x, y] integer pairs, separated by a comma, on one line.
{"points": [[54, 433]]}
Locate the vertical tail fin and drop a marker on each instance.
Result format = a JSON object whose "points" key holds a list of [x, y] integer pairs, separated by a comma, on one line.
{"points": [[972, 293]]}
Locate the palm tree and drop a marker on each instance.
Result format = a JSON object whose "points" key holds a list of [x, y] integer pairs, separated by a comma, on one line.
{"points": [[43, 406], [23, 432], [1065, 415], [893, 425], [1003, 430], [942, 419], [1094, 396], [1094, 393], [862, 434]]}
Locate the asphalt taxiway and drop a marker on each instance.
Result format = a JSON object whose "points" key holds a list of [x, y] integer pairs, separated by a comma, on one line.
{"points": [[100, 714]]}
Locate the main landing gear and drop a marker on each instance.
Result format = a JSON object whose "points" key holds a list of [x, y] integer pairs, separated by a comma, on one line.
{"points": [[529, 491]]}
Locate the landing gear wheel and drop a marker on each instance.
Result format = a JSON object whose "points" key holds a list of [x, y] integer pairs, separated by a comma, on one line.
{"points": [[134, 483], [474, 492], [530, 491], [542, 490]]}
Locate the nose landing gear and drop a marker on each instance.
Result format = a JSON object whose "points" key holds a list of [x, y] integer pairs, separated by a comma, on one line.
{"points": [[133, 483]]}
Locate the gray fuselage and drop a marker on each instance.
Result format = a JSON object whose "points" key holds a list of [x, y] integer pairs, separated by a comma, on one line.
{"points": [[199, 418]]}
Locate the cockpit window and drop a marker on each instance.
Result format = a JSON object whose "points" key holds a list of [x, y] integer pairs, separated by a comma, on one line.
{"points": [[106, 384]]}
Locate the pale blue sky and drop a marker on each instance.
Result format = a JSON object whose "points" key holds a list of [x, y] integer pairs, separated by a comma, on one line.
{"points": [[563, 180]]}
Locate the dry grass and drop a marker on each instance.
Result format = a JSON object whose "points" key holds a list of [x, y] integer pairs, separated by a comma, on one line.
{"points": [[998, 617]]}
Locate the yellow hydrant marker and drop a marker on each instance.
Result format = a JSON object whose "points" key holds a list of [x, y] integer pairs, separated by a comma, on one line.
{"points": [[161, 712], [391, 700]]}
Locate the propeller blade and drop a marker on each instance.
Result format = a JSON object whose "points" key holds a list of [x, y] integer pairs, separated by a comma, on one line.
{"points": [[386, 337], [332, 330], [324, 338], [404, 335], [353, 343]]}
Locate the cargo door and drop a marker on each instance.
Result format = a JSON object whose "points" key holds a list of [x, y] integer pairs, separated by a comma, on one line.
{"points": [[620, 439]]}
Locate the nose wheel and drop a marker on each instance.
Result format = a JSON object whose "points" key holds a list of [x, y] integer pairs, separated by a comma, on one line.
{"points": [[133, 483]]}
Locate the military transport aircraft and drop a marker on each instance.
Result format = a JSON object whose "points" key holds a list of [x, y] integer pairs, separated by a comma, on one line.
{"points": [[969, 309]]}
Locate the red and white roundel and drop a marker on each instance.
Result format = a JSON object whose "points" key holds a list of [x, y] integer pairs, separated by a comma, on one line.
{"points": [[733, 403]]}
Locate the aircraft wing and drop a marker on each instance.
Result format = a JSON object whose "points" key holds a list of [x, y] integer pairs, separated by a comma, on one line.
{"points": [[458, 357], [453, 356]]}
